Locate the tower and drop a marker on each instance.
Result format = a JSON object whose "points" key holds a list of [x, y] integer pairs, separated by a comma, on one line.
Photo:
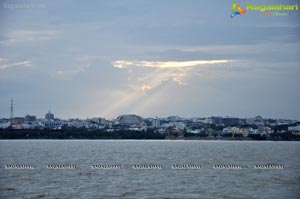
{"points": [[11, 109]]}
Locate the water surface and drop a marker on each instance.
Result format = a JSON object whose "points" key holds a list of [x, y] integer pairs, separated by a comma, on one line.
{"points": [[126, 182]]}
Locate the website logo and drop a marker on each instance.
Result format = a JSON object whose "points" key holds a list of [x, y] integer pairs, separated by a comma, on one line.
{"points": [[236, 10], [277, 10]]}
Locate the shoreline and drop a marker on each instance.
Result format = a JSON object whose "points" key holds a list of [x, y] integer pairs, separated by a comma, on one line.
{"points": [[109, 139], [83, 134]]}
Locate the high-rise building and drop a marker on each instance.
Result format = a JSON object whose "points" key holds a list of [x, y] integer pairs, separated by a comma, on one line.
{"points": [[156, 123]]}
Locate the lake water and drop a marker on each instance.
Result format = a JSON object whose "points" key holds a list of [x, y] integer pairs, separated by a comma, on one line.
{"points": [[126, 182]]}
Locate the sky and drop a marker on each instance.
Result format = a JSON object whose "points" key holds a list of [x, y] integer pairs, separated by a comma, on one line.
{"points": [[104, 58]]}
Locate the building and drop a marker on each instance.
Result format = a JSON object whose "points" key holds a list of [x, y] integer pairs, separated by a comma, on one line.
{"points": [[129, 120], [17, 122], [4, 123], [30, 118], [227, 121], [156, 123], [49, 116], [231, 121], [173, 118], [217, 120], [294, 129]]}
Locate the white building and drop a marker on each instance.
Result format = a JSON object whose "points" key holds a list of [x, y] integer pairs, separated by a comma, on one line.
{"points": [[156, 123]]}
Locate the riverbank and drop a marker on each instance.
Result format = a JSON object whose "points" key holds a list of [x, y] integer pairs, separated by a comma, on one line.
{"points": [[65, 134]]}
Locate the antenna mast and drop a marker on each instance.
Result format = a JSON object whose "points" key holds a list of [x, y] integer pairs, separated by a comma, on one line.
{"points": [[11, 109]]}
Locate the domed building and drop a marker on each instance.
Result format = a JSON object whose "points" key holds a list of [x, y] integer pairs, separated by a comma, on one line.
{"points": [[130, 120]]}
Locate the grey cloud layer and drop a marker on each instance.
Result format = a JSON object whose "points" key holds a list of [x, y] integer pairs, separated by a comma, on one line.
{"points": [[104, 58]]}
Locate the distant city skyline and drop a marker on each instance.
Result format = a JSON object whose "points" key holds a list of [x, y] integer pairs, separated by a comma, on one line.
{"points": [[150, 58], [50, 114]]}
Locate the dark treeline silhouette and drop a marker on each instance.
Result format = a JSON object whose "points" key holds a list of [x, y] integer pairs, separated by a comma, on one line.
{"points": [[77, 133], [83, 133]]}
